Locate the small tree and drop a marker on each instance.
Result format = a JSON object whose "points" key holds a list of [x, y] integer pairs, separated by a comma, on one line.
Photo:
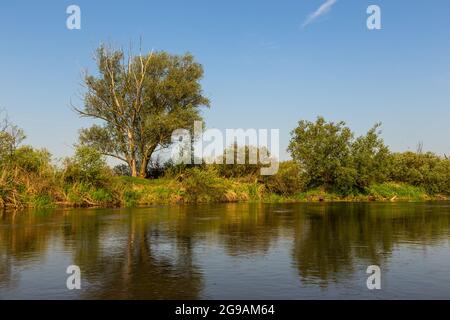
{"points": [[244, 158], [141, 100], [287, 181], [87, 166], [323, 150], [10, 138], [371, 158]]}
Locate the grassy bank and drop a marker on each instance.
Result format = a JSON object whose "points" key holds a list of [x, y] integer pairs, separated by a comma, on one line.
{"points": [[29, 179], [164, 191], [133, 192]]}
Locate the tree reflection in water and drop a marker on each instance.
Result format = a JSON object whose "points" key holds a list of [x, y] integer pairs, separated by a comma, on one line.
{"points": [[151, 253]]}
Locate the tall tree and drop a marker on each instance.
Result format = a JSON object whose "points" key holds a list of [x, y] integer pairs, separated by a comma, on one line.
{"points": [[141, 100]]}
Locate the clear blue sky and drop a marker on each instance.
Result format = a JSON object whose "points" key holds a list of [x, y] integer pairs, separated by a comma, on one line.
{"points": [[262, 69]]}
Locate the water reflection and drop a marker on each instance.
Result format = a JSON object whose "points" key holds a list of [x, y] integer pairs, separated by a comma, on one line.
{"points": [[336, 237], [171, 252]]}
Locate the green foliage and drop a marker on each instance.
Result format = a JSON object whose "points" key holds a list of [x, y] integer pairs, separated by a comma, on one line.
{"points": [[26, 174], [323, 150], [333, 159], [102, 196], [274, 198], [131, 198], [358, 169], [31, 160], [427, 171], [88, 167], [396, 191], [371, 159], [83, 195], [43, 201], [203, 185], [246, 162], [172, 171], [141, 102], [87, 180], [27, 177], [10, 138], [287, 181]]}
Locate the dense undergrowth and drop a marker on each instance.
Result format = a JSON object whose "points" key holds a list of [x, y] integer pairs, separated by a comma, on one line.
{"points": [[363, 170], [29, 179]]}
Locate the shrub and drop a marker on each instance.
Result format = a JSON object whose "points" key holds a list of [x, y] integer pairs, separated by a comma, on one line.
{"points": [[31, 160], [43, 201], [323, 149], [243, 158], [88, 167], [371, 159], [395, 190], [203, 185], [131, 198], [287, 180], [101, 196], [427, 171], [27, 178]]}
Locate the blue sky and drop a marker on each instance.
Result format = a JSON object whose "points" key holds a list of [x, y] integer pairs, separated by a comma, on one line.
{"points": [[262, 68]]}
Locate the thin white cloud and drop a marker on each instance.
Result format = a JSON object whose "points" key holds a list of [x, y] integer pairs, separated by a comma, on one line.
{"points": [[323, 9]]}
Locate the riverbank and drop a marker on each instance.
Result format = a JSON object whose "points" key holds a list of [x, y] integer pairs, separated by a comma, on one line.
{"points": [[363, 170], [30, 180], [163, 191], [137, 192]]}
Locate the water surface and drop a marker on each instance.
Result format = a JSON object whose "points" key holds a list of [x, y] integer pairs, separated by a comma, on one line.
{"points": [[229, 251]]}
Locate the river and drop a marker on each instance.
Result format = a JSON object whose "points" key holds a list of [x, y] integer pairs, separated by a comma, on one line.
{"points": [[229, 251]]}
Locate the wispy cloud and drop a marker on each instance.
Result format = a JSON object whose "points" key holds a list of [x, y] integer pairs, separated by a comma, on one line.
{"points": [[323, 9]]}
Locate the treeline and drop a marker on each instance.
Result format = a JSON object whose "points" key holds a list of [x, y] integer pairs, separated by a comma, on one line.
{"points": [[331, 157], [140, 100], [328, 164]]}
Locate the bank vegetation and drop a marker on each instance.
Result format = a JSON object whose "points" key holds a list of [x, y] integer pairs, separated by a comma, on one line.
{"points": [[139, 100]]}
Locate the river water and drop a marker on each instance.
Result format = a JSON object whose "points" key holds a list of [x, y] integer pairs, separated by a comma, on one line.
{"points": [[229, 251]]}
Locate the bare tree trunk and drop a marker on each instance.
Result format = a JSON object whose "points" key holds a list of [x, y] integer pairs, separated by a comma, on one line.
{"points": [[143, 169], [133, 162], [145, 160], [133, 168]]}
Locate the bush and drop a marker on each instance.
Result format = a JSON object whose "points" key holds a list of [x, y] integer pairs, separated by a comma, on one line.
{"points": [[323, 150], [43, 201], [203, 185], [27, 178], [31, 160], [87, 167], [287, 180], [395, 190], [131, 198], [428, 171], [371, 159], [11, 137], [334, 160], [242, 166]]}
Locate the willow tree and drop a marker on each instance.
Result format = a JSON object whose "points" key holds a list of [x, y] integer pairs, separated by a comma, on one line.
{"points": [[140, 100]]}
